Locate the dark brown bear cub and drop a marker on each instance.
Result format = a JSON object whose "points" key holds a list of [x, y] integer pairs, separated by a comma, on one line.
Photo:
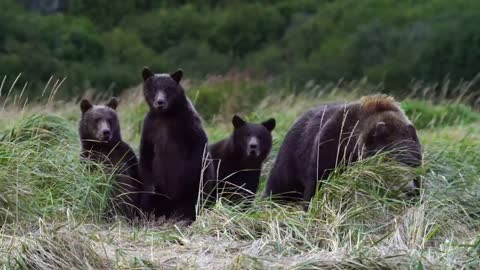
{"points": [[331, 135], [102, 143], [239, 158], [172, 148]]}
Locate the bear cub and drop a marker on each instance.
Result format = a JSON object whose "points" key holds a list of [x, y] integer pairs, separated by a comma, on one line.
{"points": [[102, 143], [172, 148], [239, 158]]}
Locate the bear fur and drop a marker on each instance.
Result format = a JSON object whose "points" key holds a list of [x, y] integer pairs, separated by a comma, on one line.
{"points": [[239, 158], [102, 143], [339, 134], [172, 148]]}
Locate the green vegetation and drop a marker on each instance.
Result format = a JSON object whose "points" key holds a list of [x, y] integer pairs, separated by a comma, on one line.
{"points": [[429, 116], [51, 205], [41, 174], [102, 45], [273, 58]]}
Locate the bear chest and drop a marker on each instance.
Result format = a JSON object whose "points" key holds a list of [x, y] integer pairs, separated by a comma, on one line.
{"points": [[168, 142]]}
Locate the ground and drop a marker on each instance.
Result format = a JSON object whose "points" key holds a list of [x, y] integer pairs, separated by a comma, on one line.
{"points": [[50, 205]]}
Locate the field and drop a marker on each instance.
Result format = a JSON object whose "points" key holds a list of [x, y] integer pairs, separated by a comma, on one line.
{"points": [[51, 206]]}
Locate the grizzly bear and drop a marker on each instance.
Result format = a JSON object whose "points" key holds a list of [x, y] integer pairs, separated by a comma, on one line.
{"points": [[172, 148], [239, 158], [102, 143], [331, 135]]}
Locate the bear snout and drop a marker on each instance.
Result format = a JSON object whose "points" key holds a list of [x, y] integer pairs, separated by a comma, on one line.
{"points": [[160, 101], [104, 135], [253, 147], [411, 190], [104, 132], [160, 104]]}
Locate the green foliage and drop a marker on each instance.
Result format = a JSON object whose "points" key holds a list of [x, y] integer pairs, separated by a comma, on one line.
{"points": [[102, 45], [227, 97], [426, 115], [243, 28]]}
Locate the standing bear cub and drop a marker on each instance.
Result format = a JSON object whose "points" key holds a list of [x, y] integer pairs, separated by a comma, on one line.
{"points": [[102, 143], [172, 148], [239, 158], [328, 136]]}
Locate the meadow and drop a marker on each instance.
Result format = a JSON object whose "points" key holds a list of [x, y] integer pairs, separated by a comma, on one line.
{"points": [[51, 205]]}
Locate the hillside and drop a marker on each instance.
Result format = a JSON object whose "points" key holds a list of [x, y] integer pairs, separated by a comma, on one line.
{"points": [[50, 204], [101, 45]]}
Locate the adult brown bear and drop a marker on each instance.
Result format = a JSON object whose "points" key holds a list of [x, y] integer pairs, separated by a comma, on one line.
{"points": [[333, 134], [172, 148]]}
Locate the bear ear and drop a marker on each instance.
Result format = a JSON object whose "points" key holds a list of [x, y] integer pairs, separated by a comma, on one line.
{"points": [[177, 75], [237, 121], [85, 105], [113, 103], [269, 124], [380, 129], [147, 73]]}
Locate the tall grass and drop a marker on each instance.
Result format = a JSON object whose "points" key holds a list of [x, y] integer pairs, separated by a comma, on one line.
{"points": [[51, 206], [42, 176]]}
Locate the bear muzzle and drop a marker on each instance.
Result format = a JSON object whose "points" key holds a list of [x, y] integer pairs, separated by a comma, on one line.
{"points": [[160, 102], [104, 132], [105, 135], [253, 147]]}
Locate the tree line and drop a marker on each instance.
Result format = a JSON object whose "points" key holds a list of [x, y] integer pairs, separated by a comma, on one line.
{"points": [[102, 45]]}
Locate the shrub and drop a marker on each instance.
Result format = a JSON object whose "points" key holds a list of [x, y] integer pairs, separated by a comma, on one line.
{"points": [[227, 97]]}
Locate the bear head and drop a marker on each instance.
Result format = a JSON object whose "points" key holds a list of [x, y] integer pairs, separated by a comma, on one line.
{"points": [[252, 141], [99, 123], [387, 129], [163, 92]]}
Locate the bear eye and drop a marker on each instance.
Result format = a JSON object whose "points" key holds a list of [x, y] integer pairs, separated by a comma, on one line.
{"points": [[97, 119]]}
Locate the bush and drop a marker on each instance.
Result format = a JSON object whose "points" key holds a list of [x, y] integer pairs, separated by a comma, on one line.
{"points": [[243, 28], [206, 61], [227, 97]]}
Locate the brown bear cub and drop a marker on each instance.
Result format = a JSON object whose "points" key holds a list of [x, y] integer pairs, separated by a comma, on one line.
{"points": [[239, 158], [102, 143], [331, 135], [172, 148]]}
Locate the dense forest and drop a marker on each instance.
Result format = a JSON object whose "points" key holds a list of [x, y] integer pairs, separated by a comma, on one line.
{"points": [[102, 45]]}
